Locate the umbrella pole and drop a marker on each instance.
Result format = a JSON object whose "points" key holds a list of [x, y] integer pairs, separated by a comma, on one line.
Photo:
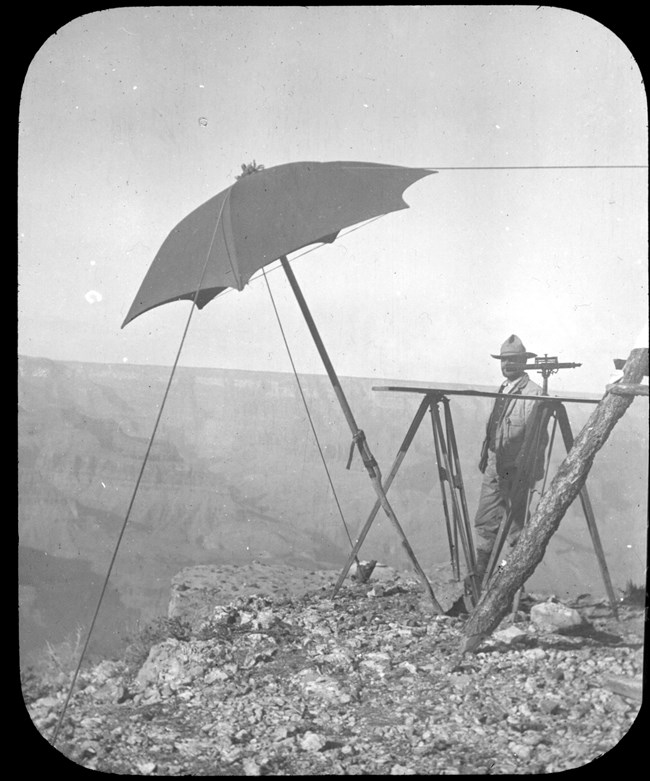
{"points": [[357, 435]]}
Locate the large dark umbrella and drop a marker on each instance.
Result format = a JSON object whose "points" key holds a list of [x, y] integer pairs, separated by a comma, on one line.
{"points": [[261, 218]]}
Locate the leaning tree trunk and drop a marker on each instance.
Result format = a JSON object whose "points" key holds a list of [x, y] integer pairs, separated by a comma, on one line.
{"points": [[566, 485]]}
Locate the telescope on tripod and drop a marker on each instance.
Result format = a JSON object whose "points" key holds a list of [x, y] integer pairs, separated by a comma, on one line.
{"points": [[548, 365]]}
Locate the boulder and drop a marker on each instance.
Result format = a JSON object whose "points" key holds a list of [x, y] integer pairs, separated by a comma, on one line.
{"points": [[171, 665], [554, 617], [509, 635], [195, 591]]}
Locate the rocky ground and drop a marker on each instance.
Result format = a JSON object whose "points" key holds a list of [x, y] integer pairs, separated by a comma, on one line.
{"points": [[370, 682]]}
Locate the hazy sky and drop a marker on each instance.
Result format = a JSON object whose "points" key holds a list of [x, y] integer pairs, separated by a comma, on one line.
{"points": [[132, 117]]}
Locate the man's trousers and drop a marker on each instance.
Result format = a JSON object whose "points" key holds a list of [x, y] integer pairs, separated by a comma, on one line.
{"points": [[498, 497]]}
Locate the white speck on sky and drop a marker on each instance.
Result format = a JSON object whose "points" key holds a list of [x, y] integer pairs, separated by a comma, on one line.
{"points": [[422, 294]]}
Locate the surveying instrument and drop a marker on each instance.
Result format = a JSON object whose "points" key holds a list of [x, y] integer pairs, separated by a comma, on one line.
{"points": [[548, 412]]}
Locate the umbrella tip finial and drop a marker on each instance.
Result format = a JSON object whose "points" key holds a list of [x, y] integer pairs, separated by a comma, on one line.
{"points": [[249, 168]]}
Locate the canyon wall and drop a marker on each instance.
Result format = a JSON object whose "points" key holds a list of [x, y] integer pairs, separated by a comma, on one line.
{"points": [[234, 475]]}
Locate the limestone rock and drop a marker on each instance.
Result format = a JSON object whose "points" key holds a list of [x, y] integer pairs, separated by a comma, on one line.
{"points": [[631, 688], [554, 617], [511, 634], [171, 665], [312, 741]]}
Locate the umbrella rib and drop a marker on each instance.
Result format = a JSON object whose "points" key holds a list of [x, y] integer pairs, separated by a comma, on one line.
{"points": [[342, 235], [219, 222], [231, 256]]}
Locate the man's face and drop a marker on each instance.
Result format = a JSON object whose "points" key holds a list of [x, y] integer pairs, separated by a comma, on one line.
{"points": [[512, 368]]}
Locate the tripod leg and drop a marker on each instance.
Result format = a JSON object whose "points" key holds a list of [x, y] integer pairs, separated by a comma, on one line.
{"points": [[408, 439], [458, 525], [381, 494], [443, 476], [515, 605], [504, 528], [458, 483], [550, 450], [567, 435]]}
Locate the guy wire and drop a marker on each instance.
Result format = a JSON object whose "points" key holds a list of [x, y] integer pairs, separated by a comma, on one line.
{"points": [[523, 167], [467, 168], [137, 483], [304, 401]]}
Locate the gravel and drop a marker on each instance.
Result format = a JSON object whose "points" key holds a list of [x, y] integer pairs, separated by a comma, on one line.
{"points": [[367, 683]]}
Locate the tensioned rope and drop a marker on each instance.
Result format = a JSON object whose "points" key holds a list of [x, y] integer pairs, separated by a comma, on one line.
{"points": [[309, 417], [523, 167], [138, 480], [173, 372], [498, 167]]}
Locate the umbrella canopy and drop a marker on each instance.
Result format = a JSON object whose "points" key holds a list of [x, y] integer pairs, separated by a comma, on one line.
{"points": [[265, 216]]}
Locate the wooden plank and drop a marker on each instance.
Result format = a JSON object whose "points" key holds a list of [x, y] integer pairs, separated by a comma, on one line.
{"points": [[437, 391]]}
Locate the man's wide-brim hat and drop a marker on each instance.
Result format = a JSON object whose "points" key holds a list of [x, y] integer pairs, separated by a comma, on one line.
{"points": [[513, 347]]}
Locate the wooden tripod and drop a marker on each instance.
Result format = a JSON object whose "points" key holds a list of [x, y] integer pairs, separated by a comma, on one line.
{"points": [[449, 473]]}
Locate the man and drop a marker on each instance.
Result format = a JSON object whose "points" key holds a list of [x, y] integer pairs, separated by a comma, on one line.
{"points": [[505, 485]]}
